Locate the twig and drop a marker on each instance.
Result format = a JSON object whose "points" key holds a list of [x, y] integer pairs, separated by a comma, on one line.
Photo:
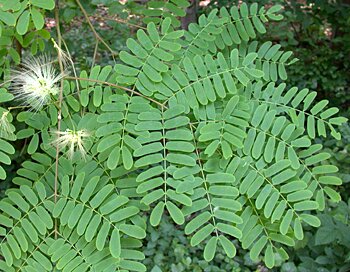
{"points": [[95, 54], [59, 117], [126, 23], [97, 36], [118, 87], [72, 64]]}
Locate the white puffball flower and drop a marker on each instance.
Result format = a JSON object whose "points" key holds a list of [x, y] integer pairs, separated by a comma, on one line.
{"points": [[72, 139], [36, 81]]}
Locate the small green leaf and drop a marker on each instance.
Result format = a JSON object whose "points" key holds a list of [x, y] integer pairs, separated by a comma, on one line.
{"points": [[37, 18], [197, 222], [257, 248], [175, 213], [114, 244], [7, 254], [287, 219], [228, 246], [311, 220], [269, 257], [333, 195], [156, 214], [113, 158], [45, 4], [210, 249], [298, 229], [33, 144], [133, 231], [202, 234], [127, 158], [8, 18], [23, 23]]}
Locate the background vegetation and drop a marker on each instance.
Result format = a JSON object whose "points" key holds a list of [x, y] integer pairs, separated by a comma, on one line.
{"points": [[318, 32]]}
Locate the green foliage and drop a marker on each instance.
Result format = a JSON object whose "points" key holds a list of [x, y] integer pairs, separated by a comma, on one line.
{"points": [[321, 27], [196, 126], [176, 254], [17, 20], [156, 11]]}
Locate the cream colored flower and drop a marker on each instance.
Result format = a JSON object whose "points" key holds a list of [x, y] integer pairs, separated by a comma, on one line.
{"points": [[6, 128], [66, 59], [36, 82], [72, 139]]}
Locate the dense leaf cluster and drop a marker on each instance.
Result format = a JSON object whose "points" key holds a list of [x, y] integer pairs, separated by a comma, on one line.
{"points": [[194, 124]]}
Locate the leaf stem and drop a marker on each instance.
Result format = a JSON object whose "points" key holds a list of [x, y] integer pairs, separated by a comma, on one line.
{"points": [[97, 36], [59, 117], [118, 87]]}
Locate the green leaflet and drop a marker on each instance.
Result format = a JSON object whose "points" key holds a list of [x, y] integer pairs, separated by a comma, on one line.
{"points": [[23, 23], [201, 234], [269, 257], [114, 244], [257, 248], [133, 231], [157, 213], [198, 221], [175, 213], [50, 4], [210, 248], [228, 246]]}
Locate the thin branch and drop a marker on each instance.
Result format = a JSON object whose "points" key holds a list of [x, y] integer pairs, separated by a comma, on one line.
{"points": [[95, 54], [126, 23], [204, 178], [72, 64], [118, 87], [59, 117], [97, 36]]}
